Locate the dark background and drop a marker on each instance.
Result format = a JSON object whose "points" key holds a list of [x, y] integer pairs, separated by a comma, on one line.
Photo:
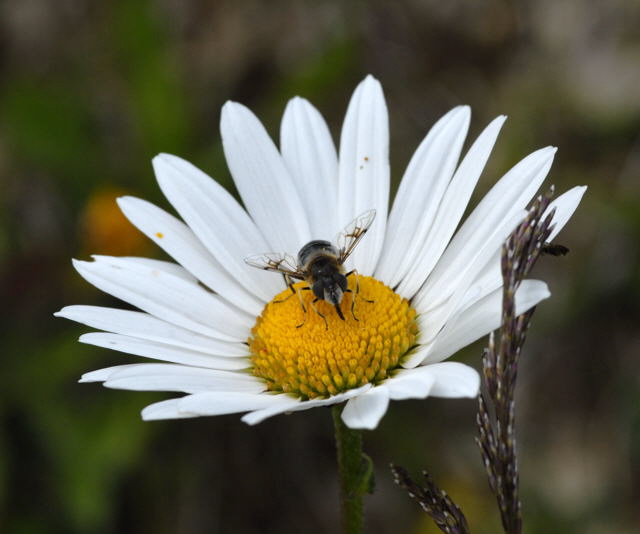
{"points": [[90, 91]]}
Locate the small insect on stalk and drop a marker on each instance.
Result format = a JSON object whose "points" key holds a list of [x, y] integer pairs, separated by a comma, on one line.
{"points": [[321, 265], [553, 249]]}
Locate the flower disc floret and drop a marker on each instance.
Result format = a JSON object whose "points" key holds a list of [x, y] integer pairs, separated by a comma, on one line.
{"points": [[296, 352]]}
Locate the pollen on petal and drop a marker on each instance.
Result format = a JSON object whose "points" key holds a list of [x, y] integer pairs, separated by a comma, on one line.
{"points": [[295, 351]]}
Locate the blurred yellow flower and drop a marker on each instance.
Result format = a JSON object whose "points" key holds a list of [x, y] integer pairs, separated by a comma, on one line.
{"points": [[103, 226]]}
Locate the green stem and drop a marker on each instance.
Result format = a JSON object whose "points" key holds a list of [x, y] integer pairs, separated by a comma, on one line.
{"points": [[355, 470]]}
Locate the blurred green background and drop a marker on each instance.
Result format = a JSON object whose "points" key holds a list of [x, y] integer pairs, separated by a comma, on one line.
{"points": [[90, 91]]}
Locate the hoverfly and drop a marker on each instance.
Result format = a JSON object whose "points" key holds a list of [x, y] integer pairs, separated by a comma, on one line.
{"points": [[321, 265]]}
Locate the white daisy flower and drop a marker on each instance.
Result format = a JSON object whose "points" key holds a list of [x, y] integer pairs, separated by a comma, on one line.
{"points": [[230, 337]]}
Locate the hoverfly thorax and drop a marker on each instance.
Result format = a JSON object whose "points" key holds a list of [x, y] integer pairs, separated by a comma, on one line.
{"points": [[313, 249]]}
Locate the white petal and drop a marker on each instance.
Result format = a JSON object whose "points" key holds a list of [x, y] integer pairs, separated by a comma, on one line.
{"points": [[288, 404], [489, 277], [187, 384], [166, 296], [451, 208], [100, 375], [144, 326], [177, 240], [437, 303], [281, 404], [160, 351], [410, 384], [166, 377], [219, 222], [167, 409], [263, 180], [150, 265], [480, 319], [310, 156], [366, 410], [564, 205], [364, 169], [510, 195], [226, 402], [420, 192], [454, 380]]}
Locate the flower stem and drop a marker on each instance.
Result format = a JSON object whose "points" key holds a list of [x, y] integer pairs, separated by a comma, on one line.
{"points": [[356, 473]]}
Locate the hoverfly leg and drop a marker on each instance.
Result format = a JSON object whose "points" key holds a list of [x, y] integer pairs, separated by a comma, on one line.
{"points": [[356, 293], [289, 283], [358, 288], [353, 303], [304, 309], [315, 309]]}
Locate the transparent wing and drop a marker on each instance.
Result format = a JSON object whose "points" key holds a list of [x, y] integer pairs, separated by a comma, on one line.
{"points": [[279, 263], [353, 233]]}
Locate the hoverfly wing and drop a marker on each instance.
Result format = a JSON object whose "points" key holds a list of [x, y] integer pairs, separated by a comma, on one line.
{"points": [[353, 233], [274, 261]]}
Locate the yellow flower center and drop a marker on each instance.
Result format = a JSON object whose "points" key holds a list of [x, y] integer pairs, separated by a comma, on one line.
{"points": [[296, 352]]}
